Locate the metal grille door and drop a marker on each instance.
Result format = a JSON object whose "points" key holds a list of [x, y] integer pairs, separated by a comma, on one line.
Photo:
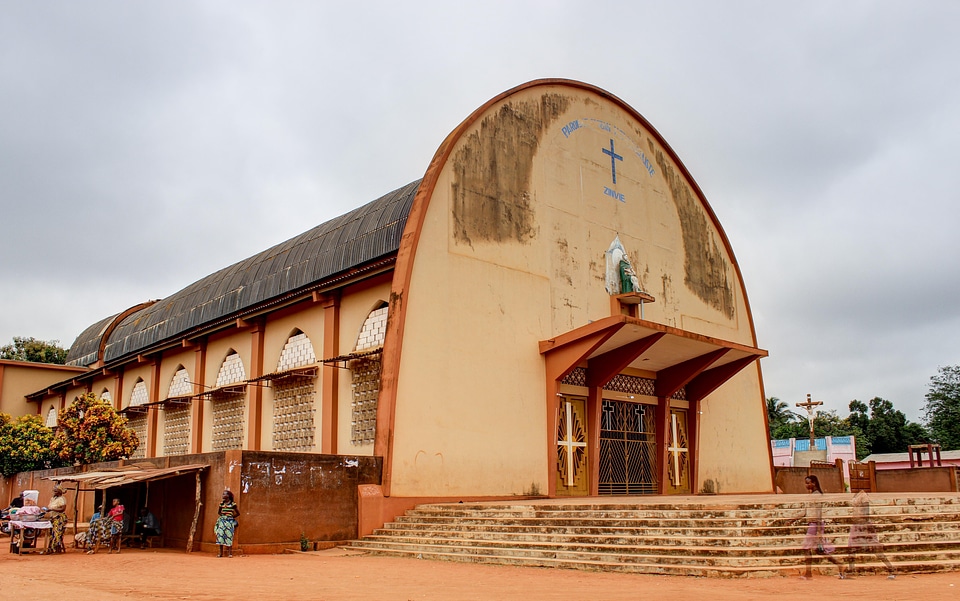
{"points": [[627, 449]]}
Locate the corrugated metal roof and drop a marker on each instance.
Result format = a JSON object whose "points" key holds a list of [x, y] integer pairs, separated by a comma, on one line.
{"points": [[127, 475], [84, 349], [367, 233]]}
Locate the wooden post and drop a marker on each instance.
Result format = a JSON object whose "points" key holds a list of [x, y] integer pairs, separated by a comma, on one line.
{"points": [[76, 511], [196, 516]]}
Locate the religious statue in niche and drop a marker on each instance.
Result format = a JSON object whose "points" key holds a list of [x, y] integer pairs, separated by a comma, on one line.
{"points": [[621, 277]]}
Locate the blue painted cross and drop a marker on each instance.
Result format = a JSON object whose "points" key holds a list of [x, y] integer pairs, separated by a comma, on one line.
{"points": [[614, 157]]}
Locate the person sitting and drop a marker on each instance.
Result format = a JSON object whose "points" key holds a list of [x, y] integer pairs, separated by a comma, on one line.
{"points": [[10, 513], [17, 503], [147, 526], [103, 529], [83, 540]]}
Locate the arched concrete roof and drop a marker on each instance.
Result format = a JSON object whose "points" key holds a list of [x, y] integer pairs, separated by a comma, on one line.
{"points": [[362, 235], [84, 350]]}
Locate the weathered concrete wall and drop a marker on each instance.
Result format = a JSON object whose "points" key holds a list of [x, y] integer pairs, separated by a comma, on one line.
{"points": [[284, 495], [20, 378], [926, 479], [511, 251], [280, 496], [790, 480]]}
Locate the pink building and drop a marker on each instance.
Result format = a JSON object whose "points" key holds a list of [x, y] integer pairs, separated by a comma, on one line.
{"points": [[796, 452], [892, 461]]}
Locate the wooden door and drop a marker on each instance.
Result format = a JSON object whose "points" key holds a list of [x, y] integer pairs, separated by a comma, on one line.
{"points": [[571, 473]]}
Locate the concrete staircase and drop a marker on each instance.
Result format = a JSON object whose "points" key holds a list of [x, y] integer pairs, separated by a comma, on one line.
{"points": [[743, 536]]}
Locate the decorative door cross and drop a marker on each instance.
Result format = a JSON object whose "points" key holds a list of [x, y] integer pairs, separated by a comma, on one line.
{"points": [[675, 450], [572, 442]]}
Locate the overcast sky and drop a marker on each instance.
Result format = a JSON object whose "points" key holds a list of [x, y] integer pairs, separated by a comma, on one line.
{"points": [[144, 145]]}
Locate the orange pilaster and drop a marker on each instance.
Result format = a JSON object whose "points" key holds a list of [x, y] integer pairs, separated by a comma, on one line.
{"points": [[331, 376]]}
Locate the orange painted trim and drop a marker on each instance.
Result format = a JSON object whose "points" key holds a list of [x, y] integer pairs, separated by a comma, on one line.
{"points": [[330, 378], [105, 337], [153, 412], [693, 444], [663, 441], [257, 343], [766, 426], [196, 408], [594, 415], [406, 254], [600, 324], [118, 397], [32, 365]]}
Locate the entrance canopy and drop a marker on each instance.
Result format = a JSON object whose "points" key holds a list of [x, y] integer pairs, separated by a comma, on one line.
{"points": [[127, 474], [678, 357]]}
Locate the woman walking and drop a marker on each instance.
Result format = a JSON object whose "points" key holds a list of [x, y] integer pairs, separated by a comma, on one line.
{"points": [[814, 541], [226, 524]]}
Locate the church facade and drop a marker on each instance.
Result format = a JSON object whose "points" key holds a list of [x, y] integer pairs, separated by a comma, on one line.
{"points": [[553, 309]]}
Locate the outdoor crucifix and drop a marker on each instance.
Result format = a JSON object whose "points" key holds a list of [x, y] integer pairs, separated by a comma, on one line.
{"points": [[809, 405]]}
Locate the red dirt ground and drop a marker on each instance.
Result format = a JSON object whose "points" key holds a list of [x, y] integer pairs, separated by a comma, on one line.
{"points": [[335, 575]]}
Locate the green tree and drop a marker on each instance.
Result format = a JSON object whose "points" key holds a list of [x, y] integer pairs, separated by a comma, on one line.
{"points": [[33, 350], [859, 422], [887, 430], [91, 431], [880, 428], [827, 423], [783, 423], [942, 407], [25, 445]]}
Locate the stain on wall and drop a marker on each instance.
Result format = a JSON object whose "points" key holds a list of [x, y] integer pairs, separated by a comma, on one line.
{"points": [[491, 172], [706, 269]]}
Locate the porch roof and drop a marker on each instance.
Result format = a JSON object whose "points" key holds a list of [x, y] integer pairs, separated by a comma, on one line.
{"points": [[127, 474], [678, 357]]}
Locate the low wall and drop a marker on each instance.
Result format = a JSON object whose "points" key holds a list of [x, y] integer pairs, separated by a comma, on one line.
{"points": [[921, 479], [286, 495], [790, 480]]}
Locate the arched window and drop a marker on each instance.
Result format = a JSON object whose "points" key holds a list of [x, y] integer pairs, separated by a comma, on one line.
{"points": [[294, 396], [297, 352], [176, 417], [180, 384], [137, 420], [51, 418], [231, 370], [106, 396], [228, 407], [365, 375]]}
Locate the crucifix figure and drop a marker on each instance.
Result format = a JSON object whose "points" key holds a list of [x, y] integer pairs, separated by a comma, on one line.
{"points": [[809, 405]]}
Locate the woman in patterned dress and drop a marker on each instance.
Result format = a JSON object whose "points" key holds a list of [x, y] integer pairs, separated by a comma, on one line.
{"points": [[57, 515], [226, 523]]}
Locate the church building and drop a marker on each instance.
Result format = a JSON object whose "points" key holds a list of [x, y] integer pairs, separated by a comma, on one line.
{"points": [[552, 309]]}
